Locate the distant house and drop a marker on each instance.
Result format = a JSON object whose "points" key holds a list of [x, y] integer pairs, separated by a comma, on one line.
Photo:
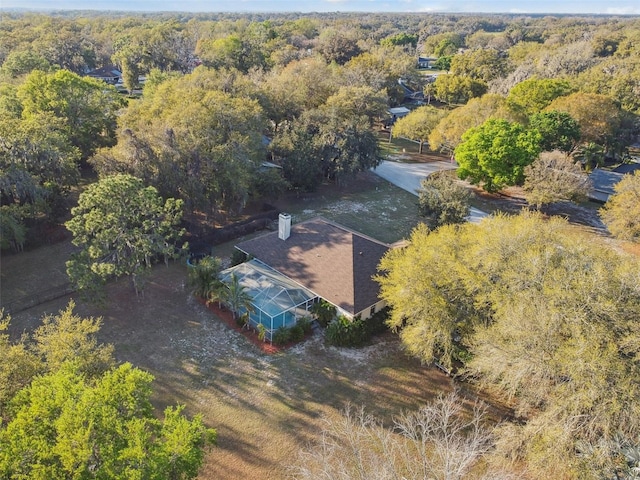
{"points": [[109, 74], [396, 113], [603, 182], [302, 263], [426, 62]]}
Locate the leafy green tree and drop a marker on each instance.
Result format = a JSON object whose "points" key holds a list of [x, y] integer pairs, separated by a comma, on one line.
{"points": [[121, 227], [325, 143], [531, 308], [442, 200], [455, 89], [86, 107], [443, 63], [614, 77], [380, 68], [37, 162], [621, 213], [222, 52], [66, 338], [62, 339], [598, 116], [18, 364], [447, 135], [63, 426], [446, 43], [22, 62], [418, 124], [401, 39], [425, 289], [495, 154], [294, 146], [338, 45], [191, 141], [345, 145], [483, 64], [535, 94], [559, 131], [553, 177], [351, 101]]}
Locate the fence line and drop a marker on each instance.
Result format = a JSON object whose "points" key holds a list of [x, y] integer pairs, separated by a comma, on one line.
{"points": [[29, 301]]}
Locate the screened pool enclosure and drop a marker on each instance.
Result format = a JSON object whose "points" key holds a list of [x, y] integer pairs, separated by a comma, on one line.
{"points": [[277, 300]]}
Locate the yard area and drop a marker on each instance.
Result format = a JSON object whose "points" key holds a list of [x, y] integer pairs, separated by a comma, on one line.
{"points": [[369, 205], [265, 407]]}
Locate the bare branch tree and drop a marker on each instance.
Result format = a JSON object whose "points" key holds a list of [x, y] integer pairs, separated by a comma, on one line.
{"points": [[440, 441]]}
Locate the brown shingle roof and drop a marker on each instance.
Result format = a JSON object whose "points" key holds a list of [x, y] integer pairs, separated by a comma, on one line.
{"points": [[335, 263]]}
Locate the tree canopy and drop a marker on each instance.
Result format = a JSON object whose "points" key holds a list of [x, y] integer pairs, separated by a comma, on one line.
{"points": [[554, 177], [69, 412], [495, 154], [442, 200], [121, 227], [85, 106], [531, 308], [621, 213], [418, 124], [191, 141]]}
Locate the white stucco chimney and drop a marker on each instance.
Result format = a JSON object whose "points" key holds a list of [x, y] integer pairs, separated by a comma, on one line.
{"points": [[284, 226]]}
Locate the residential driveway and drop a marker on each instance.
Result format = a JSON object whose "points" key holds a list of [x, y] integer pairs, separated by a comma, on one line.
{"points": [[409, 175]]}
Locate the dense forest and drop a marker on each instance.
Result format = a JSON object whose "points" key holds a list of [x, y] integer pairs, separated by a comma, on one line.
{"points": [[210, 112]]}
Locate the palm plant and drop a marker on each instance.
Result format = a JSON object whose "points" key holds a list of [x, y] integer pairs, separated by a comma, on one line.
{"points": [[590, 155], [203, 278], [237, 297]]}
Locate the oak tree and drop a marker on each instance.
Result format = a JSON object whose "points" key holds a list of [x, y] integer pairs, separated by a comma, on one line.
{"points": [[121, 228], [621, 213], [554, 177], [495, 154], [418, 124]]}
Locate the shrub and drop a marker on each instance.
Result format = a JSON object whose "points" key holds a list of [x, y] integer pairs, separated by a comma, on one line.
{"points": [[282, 336], [377, 323], [242, 320], [262, 332], [296, 333], [343, 332], [305, 324], [324, 312]]}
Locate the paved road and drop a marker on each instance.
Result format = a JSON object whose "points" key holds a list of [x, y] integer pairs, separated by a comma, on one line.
{"points": [[409, 175]]}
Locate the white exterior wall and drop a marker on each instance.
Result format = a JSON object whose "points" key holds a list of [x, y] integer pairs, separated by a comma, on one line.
{"points": [[366, 313]]}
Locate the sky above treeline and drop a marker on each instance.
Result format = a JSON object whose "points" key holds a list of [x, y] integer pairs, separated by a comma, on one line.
{"points": [[616, 7]]}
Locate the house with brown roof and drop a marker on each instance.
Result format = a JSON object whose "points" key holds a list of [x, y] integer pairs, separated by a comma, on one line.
{"points": [[323, 260]]}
